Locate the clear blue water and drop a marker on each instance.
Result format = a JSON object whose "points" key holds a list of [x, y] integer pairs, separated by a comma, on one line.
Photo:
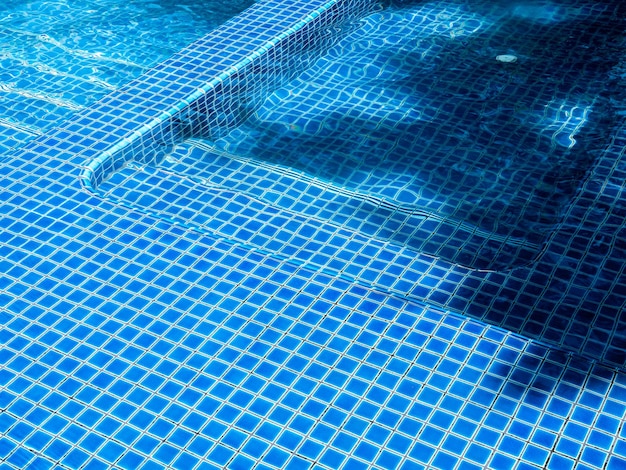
{"points": [[417, 116], [58, 57], [249, 300]]}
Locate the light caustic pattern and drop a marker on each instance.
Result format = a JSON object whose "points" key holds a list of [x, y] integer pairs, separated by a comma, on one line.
{"points": [[413, 107], [58, 57], [412, 112]]}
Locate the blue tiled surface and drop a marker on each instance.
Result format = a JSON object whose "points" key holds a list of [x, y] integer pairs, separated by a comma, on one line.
{"points": [[60, 57], [367, 238], [215, 320]]}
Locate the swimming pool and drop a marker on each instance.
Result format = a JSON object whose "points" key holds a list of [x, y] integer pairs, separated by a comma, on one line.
{"points": [[176, 295]]}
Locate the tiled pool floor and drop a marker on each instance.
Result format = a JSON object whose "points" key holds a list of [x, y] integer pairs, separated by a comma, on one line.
{"points": [[136, 334]]}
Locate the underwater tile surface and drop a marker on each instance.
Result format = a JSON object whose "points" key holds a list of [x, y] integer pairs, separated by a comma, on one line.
{"points": [[265, 155], [59, 57], [169, 303]]}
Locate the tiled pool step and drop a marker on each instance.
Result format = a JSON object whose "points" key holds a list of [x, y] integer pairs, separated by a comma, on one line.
{"points": [[193, 182], [417, 228]]}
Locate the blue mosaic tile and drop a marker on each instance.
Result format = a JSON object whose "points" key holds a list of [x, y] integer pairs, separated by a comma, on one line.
{"points": [[440, 297], [243, 314]]}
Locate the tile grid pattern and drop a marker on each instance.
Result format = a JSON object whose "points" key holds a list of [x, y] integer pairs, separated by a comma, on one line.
{"points": [[283, 349], [494, 297], [58, 59], [131, 342]]}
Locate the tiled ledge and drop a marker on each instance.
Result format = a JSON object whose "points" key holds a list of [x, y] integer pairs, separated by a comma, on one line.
{"points": [[199, 91]]}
